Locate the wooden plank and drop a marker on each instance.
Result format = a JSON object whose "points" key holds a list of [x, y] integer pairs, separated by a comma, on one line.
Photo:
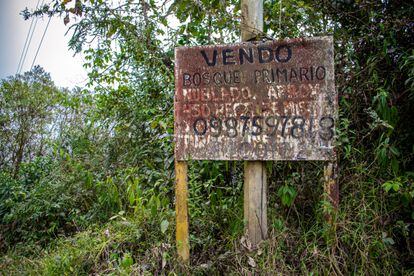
{"points": [[272, 100], [181, 210], [255, 200]]}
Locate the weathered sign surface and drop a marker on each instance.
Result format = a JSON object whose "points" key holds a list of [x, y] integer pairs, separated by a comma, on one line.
{"points": [[272, 100]]}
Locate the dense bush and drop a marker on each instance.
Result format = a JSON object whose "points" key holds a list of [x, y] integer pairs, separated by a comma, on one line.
{"points": [[40, 204]]}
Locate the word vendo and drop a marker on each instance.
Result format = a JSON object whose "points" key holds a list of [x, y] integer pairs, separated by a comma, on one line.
{"points": [[261, 54]]}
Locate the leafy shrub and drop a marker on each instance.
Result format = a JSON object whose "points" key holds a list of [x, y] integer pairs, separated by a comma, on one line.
{"points": [[41, 203]]}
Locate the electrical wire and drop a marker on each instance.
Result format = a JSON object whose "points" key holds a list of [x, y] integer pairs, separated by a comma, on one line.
{"points": [[30, 40], [25, 42], [41, 41]]}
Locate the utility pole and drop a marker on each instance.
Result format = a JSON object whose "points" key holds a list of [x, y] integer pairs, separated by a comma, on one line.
{"points": [[255, 180]]}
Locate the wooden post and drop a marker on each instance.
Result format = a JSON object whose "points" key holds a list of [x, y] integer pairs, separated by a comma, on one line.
{"points": [[255, 186], [255, 200], [252, 19], [331, 189], [181, 210]]}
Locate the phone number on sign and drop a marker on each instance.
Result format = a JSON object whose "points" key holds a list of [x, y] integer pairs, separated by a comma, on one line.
{"points": [[294, 126]]}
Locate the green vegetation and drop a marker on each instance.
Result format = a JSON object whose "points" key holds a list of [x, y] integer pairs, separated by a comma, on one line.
{"points": [[87, 175]]}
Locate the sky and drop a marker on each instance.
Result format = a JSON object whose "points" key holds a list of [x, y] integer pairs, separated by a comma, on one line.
{"points": [[54, 55]]}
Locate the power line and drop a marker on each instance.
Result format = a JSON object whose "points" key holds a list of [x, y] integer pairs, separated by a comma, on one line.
{"points": [[41, 41], [28, 45], [30, 40], [25, 42]]}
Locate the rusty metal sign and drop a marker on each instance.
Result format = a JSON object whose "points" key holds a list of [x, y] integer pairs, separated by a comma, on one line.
{"points": [[272, 100]]}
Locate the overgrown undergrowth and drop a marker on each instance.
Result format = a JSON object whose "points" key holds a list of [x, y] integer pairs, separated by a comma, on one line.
{"points": [[367, 238]]}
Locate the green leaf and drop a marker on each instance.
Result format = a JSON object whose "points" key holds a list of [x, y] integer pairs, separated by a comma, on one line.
{"points": [[392, 185], [287, 194], [127, 260], [164, 226], [394, 165]]}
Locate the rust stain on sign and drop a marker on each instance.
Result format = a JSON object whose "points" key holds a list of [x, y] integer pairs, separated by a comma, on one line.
{"points": [[271, 100]]}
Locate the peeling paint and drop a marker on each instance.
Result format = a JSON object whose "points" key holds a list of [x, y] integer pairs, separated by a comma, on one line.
{"points": [[272, 100]]}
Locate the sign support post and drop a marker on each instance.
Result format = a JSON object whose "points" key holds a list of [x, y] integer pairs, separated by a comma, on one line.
{"points": [[181, 210], [255, 180], [331, 191]]}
